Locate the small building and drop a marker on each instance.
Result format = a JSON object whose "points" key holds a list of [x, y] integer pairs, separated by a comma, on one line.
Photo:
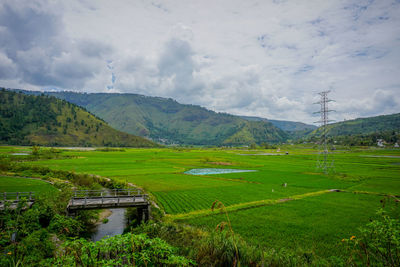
{"points": [[380, 143]]}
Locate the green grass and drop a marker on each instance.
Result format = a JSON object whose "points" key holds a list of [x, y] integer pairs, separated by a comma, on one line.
{"points": [[160, 171], [311, 224], [315, 221], [16, 184]]}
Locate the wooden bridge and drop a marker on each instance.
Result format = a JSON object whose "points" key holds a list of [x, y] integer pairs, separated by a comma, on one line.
{"points": [[88, 199], [116, 198], [12, 199]]}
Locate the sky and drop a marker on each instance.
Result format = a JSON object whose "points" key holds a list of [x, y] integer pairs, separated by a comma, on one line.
{"points": [[256, 58]]}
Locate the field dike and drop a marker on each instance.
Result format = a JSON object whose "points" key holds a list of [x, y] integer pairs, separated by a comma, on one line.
{"points": [[246, 205]]}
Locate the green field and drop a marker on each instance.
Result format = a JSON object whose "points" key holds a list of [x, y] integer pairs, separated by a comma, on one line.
{"points": [[315, 220], [316, 224], [17, 184]]}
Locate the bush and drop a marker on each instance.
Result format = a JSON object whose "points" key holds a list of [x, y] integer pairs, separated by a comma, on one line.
{"points": [[65, 226], [378, 243], [120, 250]]}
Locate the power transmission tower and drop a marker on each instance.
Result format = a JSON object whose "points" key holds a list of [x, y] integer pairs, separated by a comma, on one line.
{"points": [[324, 162]]}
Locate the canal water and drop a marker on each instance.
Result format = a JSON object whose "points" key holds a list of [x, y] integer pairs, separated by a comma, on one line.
{"points": [[115, 225]]}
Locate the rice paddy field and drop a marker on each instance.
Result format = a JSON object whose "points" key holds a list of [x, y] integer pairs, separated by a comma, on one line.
{"points": [[284, 202], [22, 184], [19, 184]]}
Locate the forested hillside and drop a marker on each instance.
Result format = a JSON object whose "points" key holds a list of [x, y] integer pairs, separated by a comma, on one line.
{"points": [[289, 126], [167, 121], [45, 120], [363, 126], [363, 131]]}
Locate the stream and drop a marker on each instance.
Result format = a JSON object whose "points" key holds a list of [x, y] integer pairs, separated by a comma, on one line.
{"points": [[115, 225]]}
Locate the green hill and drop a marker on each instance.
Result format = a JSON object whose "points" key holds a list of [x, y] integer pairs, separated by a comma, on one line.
{"points": [[364, 126], [295, 130], [167, 121], [45, 120], [362, 131], [288, 126]]}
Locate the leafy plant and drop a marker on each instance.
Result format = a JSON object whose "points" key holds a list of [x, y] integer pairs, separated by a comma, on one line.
{"points": [[121, 250], [219, 205], [378, 243]]}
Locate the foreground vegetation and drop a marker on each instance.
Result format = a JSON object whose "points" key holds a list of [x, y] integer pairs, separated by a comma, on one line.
{"points": [[282, 214]]}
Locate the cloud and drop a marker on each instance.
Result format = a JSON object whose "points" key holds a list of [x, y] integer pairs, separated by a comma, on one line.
{"points": [[255, 58], [36, 49], [94, 49], [7, 67], [26, 24]]}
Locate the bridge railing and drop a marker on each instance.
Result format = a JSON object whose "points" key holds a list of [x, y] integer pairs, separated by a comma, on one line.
{"points": [[105, 196], [111, 193], [17, 196]]}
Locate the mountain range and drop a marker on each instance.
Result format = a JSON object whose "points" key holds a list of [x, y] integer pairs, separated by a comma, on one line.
{"points": [[45, 120], [169, 122], [288, 126], [166, 121]]}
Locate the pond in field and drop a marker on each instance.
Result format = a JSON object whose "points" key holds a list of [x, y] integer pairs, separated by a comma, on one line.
{"points": [[20, 154], [215, 171], [262, 154]]}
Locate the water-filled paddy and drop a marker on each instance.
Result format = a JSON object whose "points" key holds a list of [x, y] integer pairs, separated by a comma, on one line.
{"points": [[207, 171]]}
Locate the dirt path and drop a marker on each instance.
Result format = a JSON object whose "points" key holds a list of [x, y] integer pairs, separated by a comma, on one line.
{"points": [[248, 205]]}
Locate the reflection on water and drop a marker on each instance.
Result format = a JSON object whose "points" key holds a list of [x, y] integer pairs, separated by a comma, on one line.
{"points": [[115, 225], [215, 171]]}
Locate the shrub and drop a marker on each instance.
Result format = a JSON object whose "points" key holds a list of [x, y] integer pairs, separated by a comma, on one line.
{"points": [[121, 250], [65, 226], [378, 243]]}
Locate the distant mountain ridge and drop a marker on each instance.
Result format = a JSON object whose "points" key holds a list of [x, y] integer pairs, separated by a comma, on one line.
{"points": [[364, 126], [289, 126], [45, 120], [167, 121]]}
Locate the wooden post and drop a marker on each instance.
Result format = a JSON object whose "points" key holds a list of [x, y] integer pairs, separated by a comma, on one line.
{"points": [[30, 196], [102, 198], [115, 192], [17, 196], [5, 196], [85, 200]]}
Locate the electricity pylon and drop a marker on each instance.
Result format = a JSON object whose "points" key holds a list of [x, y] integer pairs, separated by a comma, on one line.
{"points": [[324, 162]]}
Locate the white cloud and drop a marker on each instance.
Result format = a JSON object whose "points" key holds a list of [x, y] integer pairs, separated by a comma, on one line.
{"points": [[266, 59]]}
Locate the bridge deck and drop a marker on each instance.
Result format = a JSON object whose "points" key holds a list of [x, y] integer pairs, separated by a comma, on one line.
{"points": [[14, 198], [107, 202], [86, 199], [14, 204]]}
